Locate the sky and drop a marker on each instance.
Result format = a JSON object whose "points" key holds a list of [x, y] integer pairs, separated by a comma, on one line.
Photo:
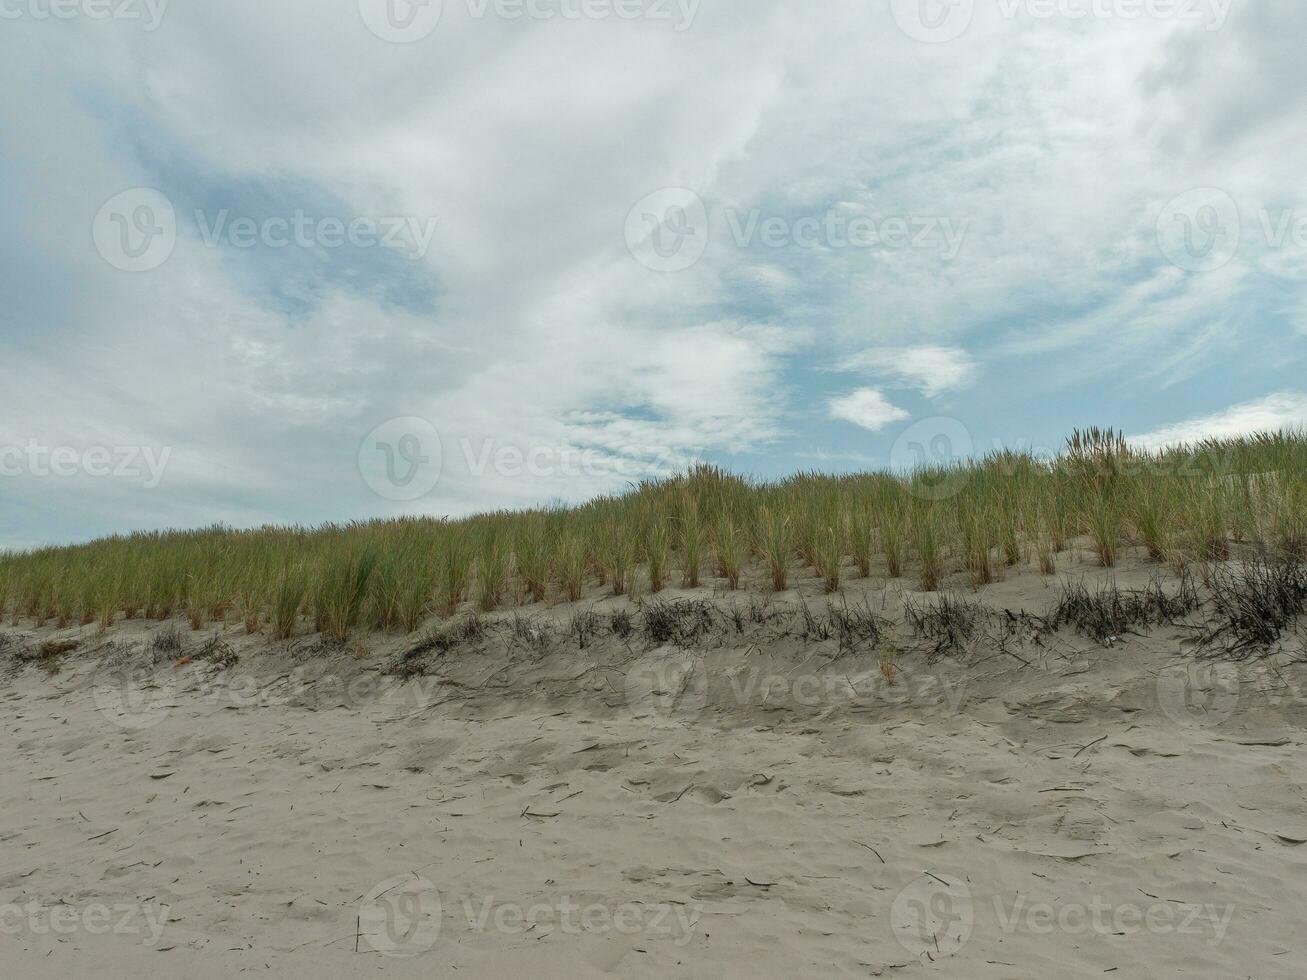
{"points": [[329, 260]]}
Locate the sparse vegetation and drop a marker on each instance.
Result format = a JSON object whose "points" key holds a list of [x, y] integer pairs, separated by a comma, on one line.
{"points": [[681, 623], [1199, 506], [948, 623], [1108, 613], [1252, 604]]}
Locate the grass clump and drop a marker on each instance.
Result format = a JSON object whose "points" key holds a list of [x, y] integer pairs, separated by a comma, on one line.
{"points": [[1199, 506], [776, 546], [342, 592], [681, 623], [1107, 613], [492, 571], [949, 622], [1253, 603]]}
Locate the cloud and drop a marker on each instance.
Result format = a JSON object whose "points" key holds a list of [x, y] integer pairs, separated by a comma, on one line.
{"points": [[868, 408], [1284, 410], [528, 324], [265, 401], [930, 370]]}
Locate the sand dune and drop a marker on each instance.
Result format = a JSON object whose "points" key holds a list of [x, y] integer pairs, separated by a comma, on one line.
{"points": [[1047, 806]]}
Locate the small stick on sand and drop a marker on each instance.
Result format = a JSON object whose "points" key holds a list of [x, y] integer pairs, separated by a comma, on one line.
{"points": [[1089, 746], [677, 799], [870, 848]]}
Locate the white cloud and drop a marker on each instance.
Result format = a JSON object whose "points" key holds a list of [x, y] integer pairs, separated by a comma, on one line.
{"points": [[931, 370], [1284, 410], [544, 330], [868, 408]]}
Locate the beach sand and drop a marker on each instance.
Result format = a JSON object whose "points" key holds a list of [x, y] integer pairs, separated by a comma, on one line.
{"points": [[754, 805]]}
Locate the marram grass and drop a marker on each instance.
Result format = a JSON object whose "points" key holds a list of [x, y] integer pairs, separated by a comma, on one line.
{"points": [[1189, 505]]}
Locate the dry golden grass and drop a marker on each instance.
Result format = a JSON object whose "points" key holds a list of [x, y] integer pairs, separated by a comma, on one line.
{"points": [[1185, 506]]}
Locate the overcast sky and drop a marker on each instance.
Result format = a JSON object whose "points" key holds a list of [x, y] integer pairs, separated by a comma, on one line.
{"points": [[333, 259]]}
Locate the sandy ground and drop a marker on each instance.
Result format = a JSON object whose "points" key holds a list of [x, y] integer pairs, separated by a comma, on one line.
{"points": [[1054, 808]]}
